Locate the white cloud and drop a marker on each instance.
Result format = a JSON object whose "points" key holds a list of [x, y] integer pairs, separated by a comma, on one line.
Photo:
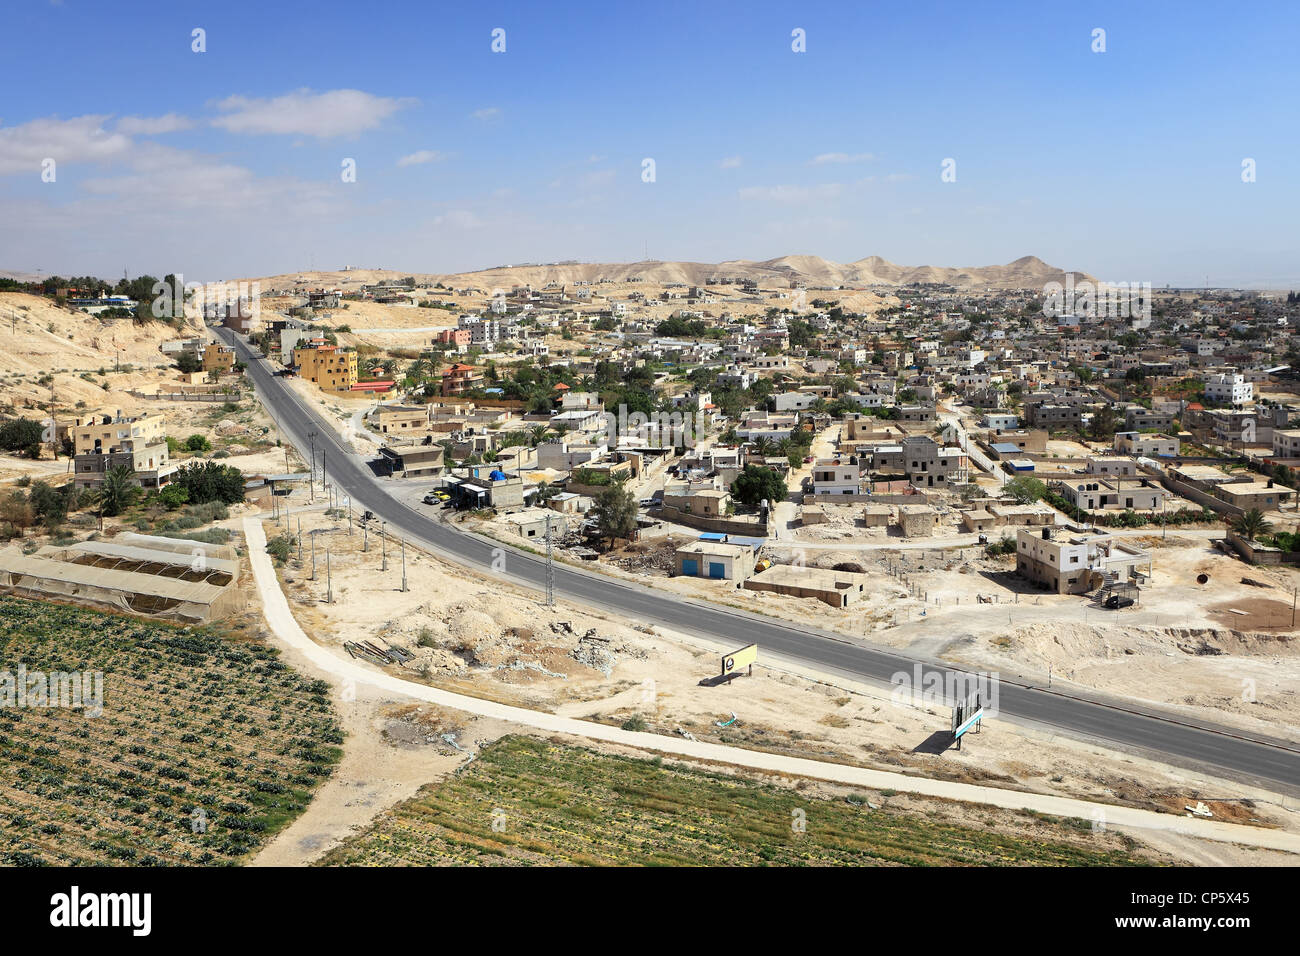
{"points": [[486, 113], [323, 115], [422, 156], [791, 193], [81, 139], [730, 162], [153, 125], [827, 158]]}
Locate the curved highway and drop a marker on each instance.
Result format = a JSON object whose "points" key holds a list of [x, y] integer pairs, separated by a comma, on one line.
{"points": [[1270, 763]]}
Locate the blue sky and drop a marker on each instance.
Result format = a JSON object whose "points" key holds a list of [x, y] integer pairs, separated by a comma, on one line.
{"points": [[225, 163]]}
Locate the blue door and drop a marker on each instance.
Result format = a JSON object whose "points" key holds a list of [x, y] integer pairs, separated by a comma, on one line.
{"points": [[716, 570], [690, 566]]}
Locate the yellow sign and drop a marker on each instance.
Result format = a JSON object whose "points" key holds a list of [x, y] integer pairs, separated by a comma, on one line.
{"points": [[742, 658]]}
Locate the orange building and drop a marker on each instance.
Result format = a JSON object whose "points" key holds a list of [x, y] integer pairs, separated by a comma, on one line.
{"points": [[329, 366], [458, 379]]}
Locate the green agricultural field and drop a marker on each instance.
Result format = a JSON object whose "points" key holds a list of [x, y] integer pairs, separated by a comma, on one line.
{"points": [[206, 746], [569, 805]]}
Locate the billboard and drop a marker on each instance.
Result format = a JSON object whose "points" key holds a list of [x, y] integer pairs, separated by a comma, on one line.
{"points": [[967, 713], [745, 657]]}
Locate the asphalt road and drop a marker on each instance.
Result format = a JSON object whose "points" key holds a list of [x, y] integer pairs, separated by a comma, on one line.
{"points": [[1247, 757]]}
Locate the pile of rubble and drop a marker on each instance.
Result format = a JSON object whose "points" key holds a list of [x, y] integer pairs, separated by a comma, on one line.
{"points": [[660, 559]]}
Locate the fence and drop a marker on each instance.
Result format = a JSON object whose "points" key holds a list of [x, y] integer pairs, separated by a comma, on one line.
{"points": [[751, 528], [189, 396]]}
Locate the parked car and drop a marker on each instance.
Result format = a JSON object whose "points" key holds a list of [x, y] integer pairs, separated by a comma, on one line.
{"points": [[1117, 601]]}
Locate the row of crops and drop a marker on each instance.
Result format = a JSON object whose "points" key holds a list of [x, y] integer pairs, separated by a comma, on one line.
{"points": [[206, 746], [528, 801]]}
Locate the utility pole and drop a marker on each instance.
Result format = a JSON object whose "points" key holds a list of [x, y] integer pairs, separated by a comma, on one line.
{"points": [[313, 557], [311, 437], [404, 587], [300, 539], [550, 566], [329, 584], [54, 424], [383, 545]]}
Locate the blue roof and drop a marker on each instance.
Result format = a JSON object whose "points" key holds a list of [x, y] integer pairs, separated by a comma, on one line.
{"points": [[712, 536]]}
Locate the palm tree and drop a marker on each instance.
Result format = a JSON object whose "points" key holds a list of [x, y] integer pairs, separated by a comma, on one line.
{"points": [[117, 492], [1252, 525]]}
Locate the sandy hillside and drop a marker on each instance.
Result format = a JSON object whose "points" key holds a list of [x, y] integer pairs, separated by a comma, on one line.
{"points": [[80, 351], [783, 272]]}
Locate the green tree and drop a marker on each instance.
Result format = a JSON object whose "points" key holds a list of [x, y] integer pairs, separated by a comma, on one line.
{"points": [[49, 504], [1025, 490], [197, 442], [206, 481], [21, 434], [615, 512], [757, 483], [173, 496], [188, 361]]}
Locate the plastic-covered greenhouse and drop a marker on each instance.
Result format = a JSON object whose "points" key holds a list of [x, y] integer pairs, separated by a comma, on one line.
{"points": [[161, 577]]}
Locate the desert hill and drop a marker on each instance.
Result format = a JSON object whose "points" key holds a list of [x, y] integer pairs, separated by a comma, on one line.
{"points": [[1028, 272]]}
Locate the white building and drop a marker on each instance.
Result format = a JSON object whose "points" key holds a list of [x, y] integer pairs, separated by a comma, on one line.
{"points": [[831, 477], [1228, 388]]}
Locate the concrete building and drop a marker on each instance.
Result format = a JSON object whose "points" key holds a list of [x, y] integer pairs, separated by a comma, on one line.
{"points": [[1229, 388], [401, 419], [1286, 443], [877, 516], [1000, 420], [1264, 495], [922, 460], [917, 521], [1111, 467], [1076, 563], [718, 560], [1143, 445], [836, 588], [532, 523], [1137, 418], [101, 433], [1092, 495], [833, 477], [328, 366], [460, 378]]}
